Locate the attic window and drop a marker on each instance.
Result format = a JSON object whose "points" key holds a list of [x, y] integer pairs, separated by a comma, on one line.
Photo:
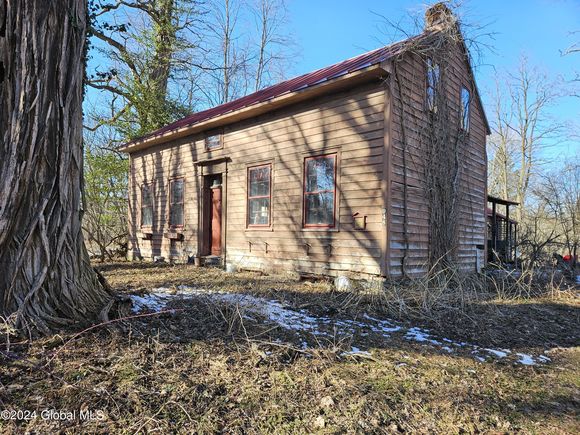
{"points": [[433, 77], [464, 109], [213, 142]]}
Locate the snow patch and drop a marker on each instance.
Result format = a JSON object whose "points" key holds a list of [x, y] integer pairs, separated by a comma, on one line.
{"points": [[543, 358], [498, 353], [420, 335], [153, 302], [301, 321], [526, 359], [356, 351]]}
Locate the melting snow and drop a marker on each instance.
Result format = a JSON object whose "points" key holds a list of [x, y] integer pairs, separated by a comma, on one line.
{"points": [[543, 358], [356, 351], [301, 321], [498, 353], [152, 301], [420, 335], [526, 359]]}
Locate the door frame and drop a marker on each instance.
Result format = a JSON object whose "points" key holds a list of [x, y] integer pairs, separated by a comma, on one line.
{"points": [[210, 229], [205, 233], [207, 170]]}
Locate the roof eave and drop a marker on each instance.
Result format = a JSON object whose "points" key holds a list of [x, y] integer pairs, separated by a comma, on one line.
{"points": [[356, 77]]}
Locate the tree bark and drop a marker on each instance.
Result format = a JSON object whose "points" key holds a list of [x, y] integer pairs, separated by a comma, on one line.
{"points": [[46, 280]]}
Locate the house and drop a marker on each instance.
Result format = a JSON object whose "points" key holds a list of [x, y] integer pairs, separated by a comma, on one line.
{"points": [[332, 172]]}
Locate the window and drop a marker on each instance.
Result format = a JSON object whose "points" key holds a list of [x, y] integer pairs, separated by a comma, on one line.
{"points": [[176, 202], [146, 205], [319, 191], [464, 109], [432, 85], [213, 142], [259, 195]]}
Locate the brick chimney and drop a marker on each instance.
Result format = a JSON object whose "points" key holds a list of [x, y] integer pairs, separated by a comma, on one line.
{"points": [[439, 17]]}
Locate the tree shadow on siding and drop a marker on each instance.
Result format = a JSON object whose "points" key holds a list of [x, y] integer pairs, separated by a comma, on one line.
{"points": [[160, 165], [350, 125]]}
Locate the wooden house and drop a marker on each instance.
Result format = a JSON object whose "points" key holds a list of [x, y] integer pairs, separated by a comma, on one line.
{"points": [[319, 174]]}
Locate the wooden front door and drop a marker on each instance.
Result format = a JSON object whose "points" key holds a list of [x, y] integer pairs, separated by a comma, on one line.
{"points": [[216, 220]]}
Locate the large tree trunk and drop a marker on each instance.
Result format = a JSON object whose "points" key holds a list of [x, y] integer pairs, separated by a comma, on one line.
{"points": [[46, 280]]}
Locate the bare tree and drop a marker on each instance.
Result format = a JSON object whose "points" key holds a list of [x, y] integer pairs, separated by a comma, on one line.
{"points": [[46, 280], [105, 201], [537, 235], [574, 49], [523, 128], [228, 53], [560, 191], [247, 48], [501, 146], [167, 58], [273, 46]]}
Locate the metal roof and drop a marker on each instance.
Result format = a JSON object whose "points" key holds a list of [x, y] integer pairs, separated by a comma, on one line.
{"points": [[293, 85]]}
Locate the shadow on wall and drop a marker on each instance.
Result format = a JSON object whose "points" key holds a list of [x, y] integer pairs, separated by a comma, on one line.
{"points": [[348, 124], [158, 166]]}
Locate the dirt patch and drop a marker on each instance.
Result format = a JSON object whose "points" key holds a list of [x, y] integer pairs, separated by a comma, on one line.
{"points": [[535, 323]]}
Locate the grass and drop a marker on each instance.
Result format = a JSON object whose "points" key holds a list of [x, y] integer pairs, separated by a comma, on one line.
{"points": [[198, 371]]}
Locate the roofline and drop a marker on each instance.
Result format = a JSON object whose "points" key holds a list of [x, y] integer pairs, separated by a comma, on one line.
{"points": [[478, 95], [498, 200], [361, 76]]}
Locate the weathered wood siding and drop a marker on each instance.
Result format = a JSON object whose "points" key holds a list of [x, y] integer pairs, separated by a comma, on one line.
{"points": [[370, 182], [472, 162], [157, 166], [349, 123]]}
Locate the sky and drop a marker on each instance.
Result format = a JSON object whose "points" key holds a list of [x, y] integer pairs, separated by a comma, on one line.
{"points": [[328, 31]]}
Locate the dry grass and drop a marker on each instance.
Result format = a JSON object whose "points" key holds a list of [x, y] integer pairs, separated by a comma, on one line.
{"points": [[499, 310], [205, 370]]}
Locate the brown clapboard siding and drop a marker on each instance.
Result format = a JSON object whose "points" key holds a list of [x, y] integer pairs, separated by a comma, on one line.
{"points": [[473, 176], [360, 125], [349, 124], [348, 134]]}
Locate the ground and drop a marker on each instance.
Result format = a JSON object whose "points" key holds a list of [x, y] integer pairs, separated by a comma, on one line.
{"points": [[202, 351]]}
